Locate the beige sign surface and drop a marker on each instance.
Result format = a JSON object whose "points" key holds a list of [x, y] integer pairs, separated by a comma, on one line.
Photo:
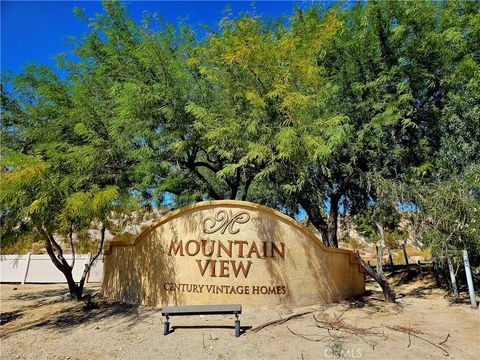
{"points": [[221, 252]]}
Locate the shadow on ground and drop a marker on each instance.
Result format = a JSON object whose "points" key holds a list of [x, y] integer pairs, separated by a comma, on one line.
{"points": [[243, 329], [68, 319], [6, 317], [369, 300], [44, 295], [420, 292]]}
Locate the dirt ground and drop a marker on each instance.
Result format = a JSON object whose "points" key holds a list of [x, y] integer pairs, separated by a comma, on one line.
{"points": [[38, 324]]}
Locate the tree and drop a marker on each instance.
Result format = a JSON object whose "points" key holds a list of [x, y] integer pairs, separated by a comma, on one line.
{"points": [[391, 70], [297, 113], [446, 187], [449, 215], [35, 196], [375, 221], [60, 167]]}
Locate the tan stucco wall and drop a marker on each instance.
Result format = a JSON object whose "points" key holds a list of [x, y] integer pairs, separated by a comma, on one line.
{"points": [[310, 273]]}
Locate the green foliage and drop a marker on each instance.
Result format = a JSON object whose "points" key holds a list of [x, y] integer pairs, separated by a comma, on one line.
{"points": [[56, 178], [365, 221], [18, 242], [449, 217], [329, 109]]}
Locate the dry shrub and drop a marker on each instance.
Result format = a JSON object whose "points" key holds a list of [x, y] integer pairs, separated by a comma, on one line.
{"points": [[391, 240], [124, 237], [148, 216], [411, 251], [38, 247], [398, 257], [83, 235], [353, 243], [86, 247]]}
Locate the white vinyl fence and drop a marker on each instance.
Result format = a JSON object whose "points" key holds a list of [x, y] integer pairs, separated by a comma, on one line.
{"points": [[32, 268]]}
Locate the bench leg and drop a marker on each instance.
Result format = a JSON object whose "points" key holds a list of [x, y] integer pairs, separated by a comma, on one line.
{"points": [[237, 328], [166, 327]]}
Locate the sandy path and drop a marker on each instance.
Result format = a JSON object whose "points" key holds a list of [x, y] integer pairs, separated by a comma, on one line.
{"points": [[44, 327]]}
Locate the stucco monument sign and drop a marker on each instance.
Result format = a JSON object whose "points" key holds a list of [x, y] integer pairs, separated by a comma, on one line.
{"points": [[229, 252]]}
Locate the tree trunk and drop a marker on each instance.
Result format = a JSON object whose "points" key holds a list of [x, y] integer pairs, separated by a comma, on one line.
{"points": [[453, 279], [73, 288], [405, 255], [61, 264], [88, 266], [67, 272], [333, 221], [246, 187], [390, 257], [380, 247], [388, 292], [327, 229], [322, 229], [315, 217]]}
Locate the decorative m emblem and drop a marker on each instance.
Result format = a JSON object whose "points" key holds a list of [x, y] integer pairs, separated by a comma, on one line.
{"points": [[223, 221]]}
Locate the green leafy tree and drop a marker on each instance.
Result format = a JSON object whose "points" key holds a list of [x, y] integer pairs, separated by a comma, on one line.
{"points": [[60, 167], [449, 215], [392, 70], [388, 217], [297, 113]]}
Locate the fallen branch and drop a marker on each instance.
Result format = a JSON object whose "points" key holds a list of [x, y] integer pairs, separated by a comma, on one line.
{"points": [[388, 292], [306, 336], [339, 325], [415, 333], [444, 341], [281, 321]]}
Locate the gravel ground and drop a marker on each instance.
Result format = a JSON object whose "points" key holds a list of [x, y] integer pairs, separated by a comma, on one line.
{"points": [[38, 324]]}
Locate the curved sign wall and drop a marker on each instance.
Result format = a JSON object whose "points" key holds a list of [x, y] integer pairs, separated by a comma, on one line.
{"points": [[221, 252]]}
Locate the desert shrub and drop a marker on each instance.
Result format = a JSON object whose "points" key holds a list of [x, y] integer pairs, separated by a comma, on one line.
{"points": [[83, 235], [125, 237], [38, 248], [353, 243], [86, 247]]}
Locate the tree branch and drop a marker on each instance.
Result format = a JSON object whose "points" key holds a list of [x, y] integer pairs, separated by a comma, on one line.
{"points": [[388, 292], [205, 165], [72, 248], [247, 185], [281, 321], [50, 252], [59, 250], [89, 265], [211, 190]]}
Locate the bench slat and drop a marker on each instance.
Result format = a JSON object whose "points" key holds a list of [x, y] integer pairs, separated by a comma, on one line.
{"points": [[202, 310]]}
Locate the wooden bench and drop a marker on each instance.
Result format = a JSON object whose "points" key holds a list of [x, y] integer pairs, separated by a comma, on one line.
{"points": [[235, 309]]}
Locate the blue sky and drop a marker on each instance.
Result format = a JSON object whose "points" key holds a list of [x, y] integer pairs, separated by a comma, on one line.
{"points": [[36, 31]]}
